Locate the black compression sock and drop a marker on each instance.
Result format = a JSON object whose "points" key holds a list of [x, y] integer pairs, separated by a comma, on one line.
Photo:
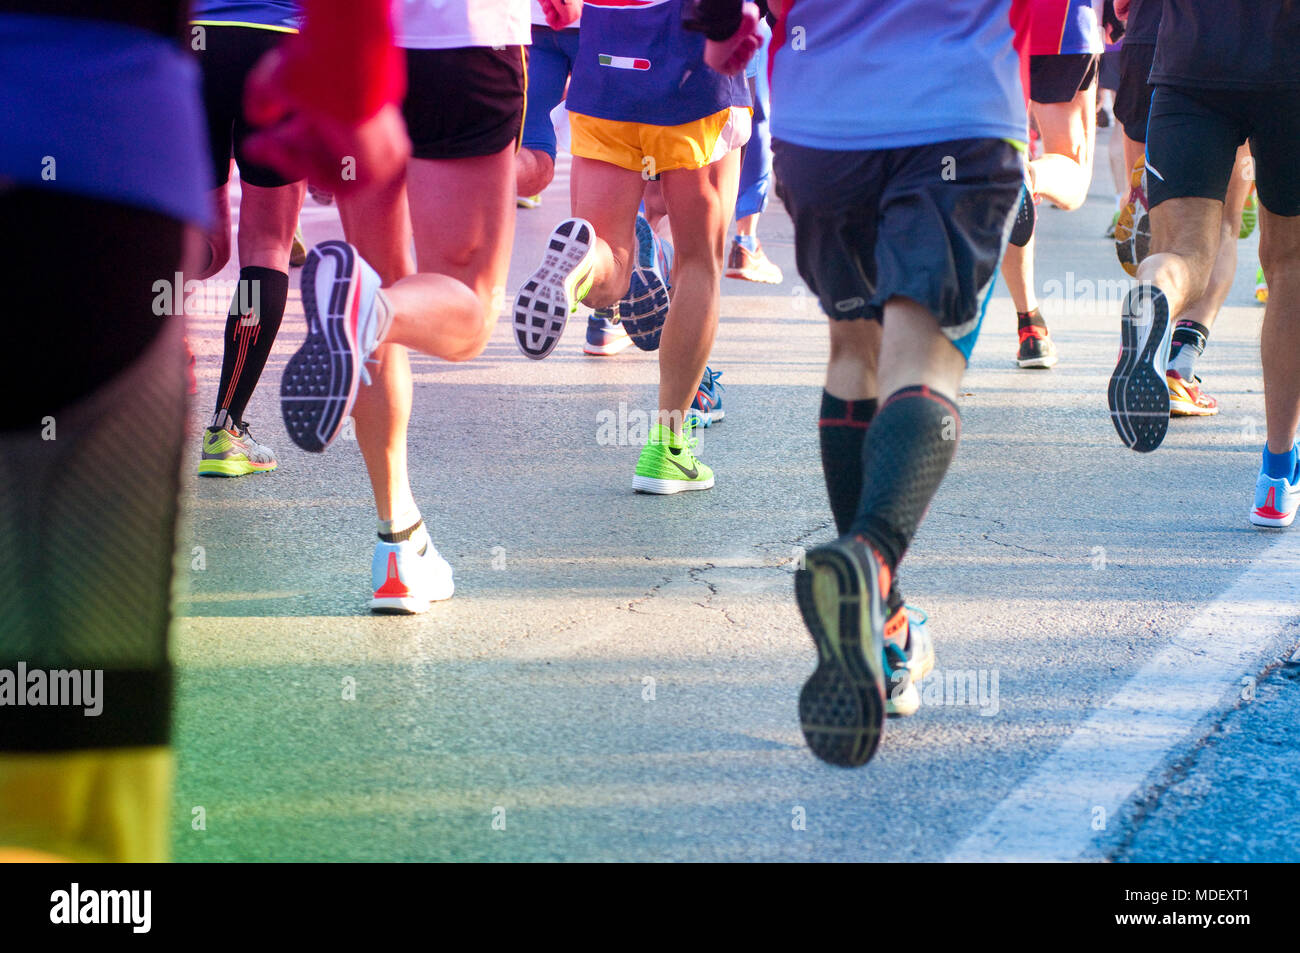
{"points": [[906, 454], [842, 428], [1189, 332], [251, 326]]}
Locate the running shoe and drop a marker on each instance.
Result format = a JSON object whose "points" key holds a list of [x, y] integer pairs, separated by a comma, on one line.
{"points": [[605, 334], [1186, 399], [1036, 347], [234, 453], [1138, 394], [752, 265], [667, 464], [409, 575], [1249, 215], [552, 293], [706, 408], [1261, 287], [646, 304], [298, 250], [1133, 229], [840, 593], [906, 667], [528, 201], [320, 381], [320, 196], [1026, 216], [1276, 501]]}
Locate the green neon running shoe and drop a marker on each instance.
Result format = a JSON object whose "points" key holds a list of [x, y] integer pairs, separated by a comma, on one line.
{"points": [[234, 453], [668, 466]]}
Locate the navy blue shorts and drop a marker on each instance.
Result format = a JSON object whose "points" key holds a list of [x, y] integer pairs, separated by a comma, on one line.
{"points": [[1193, 136], [927, 223]]}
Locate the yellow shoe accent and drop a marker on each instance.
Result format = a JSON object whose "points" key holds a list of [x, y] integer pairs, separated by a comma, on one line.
{"points": [[1186, 399], [227, 454]]}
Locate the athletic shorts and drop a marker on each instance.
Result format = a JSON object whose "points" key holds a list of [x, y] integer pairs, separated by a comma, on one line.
{"points": [[228, 56], [1193, 136], [1108, 70], [464, 103], [651, 150], [550, 61], [1056, 77], [923, 222], [1133, 98]]}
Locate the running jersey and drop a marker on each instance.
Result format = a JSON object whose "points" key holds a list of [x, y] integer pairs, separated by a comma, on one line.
{"points": [[103, 110], [539, 18], [1143, 21], [1229, 44], [884, 74], [283, 15], [453, 24], [636, 63], [1063, 26]]}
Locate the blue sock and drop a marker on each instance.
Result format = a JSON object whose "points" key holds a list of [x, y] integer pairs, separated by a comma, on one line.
{"points": [[749, 242], [1278, 466]]}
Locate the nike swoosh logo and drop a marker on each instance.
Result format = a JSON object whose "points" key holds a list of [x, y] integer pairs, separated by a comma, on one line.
{"points": [[691, 474]]}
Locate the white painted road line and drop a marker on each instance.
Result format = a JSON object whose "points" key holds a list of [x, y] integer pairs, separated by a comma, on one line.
{"points": [[1103, 764]]}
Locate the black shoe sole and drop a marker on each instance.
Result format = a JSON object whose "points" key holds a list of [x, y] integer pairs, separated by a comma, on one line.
{"points": [[1138, 395], [320, 380], [842, 705], [1026, 217]]}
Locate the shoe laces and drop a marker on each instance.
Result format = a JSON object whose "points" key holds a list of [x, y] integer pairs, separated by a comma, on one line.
{"points": [[365, 374], [251, 443]]}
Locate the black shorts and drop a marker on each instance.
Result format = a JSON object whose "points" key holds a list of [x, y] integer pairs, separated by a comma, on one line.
{"points": [[1108, 70], [1133, 98], [1056, 77], [924, 222], [1193, 136], [465, 102], [228, 56]]}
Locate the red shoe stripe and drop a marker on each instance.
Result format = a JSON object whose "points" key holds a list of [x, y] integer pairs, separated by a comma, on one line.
{"points": [[393, 587]]}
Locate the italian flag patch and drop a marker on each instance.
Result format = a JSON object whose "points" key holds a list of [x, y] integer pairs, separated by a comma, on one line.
{"points": [[624, 62]]}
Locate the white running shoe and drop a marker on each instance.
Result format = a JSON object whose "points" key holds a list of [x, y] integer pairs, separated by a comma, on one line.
{"points": [[409, 575], [551, 294], [1276, 501]]}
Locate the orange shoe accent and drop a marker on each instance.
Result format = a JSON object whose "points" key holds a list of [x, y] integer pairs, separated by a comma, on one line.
{"points": [[1033, 331], [896, 628], [393, 587]]}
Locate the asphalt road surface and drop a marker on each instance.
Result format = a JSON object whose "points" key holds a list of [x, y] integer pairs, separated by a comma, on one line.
{"points": [[617, 675]]}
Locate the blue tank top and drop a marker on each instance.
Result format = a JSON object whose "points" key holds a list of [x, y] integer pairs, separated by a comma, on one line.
{"points": [[277, 14], [637, 64], [884, 74]]}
